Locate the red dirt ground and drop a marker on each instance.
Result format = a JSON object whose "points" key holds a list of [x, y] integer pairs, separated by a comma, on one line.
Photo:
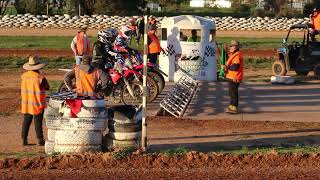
{"points": [[161, 132], [193, 165]]}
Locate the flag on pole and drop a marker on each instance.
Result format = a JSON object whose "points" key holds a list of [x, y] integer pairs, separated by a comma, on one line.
{"points": [[223, 58]]}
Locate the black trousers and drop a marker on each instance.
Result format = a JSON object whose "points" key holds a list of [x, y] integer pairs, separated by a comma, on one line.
{"points": [[27, 122], [313, 34], [233, 92], [153, 58]]}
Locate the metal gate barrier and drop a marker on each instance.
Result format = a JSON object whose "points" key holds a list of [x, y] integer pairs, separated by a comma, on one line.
{"points": [[178, 100]]}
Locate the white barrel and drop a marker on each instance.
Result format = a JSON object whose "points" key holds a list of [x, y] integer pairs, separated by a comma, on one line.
{"points": [[84, 133]]}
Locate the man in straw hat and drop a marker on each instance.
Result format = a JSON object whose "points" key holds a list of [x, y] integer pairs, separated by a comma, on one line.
{"points": [[234, 75], [80, 44], [89, 80], [33, 98]]}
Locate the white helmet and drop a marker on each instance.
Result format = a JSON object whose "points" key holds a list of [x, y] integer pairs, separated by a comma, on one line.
{"points": [[102, 36]]}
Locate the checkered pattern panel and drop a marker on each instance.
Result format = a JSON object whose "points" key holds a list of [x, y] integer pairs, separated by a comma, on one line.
{"points": [[210, 51], [170, 50]]}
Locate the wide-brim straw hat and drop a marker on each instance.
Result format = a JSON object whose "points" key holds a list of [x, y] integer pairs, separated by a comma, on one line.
{"points": [[83, 28], [34, 64], [235, 43]]}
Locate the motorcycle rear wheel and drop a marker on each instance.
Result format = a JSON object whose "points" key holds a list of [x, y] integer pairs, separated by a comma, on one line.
{"points": [[157, 76]]}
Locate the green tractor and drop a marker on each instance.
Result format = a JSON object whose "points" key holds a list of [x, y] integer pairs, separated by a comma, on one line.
{"points": [[301, 56]]}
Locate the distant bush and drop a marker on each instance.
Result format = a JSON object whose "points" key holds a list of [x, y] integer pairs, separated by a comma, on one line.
{"points": [[258, 13], [30, 6]]}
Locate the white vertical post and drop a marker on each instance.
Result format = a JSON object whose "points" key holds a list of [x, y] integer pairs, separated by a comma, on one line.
{"points": [[144, 99], [79, 9], [47, 8]]}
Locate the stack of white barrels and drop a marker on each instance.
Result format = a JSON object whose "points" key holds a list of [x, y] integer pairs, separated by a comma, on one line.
{"points": [[84, 133], [52, 117], [124, 124], [80, 134]]}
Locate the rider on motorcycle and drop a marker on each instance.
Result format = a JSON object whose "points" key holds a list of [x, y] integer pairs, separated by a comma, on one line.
{"points": [[121, 44], [103, 52]]}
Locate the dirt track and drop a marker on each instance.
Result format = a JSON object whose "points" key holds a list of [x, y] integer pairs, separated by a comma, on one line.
{"points": [[68, 53], [164, 133]]}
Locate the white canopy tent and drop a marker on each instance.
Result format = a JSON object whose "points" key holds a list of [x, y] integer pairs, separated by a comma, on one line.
{"points": [[190, 42]]}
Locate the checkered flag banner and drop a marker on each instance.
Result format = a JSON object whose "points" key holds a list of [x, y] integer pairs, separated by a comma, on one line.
{"points": [[170, 50], [209, 52]]}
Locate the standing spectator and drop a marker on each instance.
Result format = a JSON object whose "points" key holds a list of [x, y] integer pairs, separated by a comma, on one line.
{"points": [[315, 23], [33, 98], [80, 45], [154, 47], [234, 75], [140, 28]]}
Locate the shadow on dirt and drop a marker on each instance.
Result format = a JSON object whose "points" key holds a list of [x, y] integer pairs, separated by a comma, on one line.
{"points": [[309, 140], [212, 98]]}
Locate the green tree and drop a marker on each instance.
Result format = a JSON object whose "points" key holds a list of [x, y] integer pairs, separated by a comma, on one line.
{"points": [[3, 6], [276, 6], [31, 6], [71, 7], [87, 6], [20, 6], [118, 7], [307, 9], [239, 5]]}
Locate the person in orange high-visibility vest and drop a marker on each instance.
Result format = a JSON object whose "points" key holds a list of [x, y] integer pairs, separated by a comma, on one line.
{"points": [[315, 23], [234, 75], [33, 98], [154, 47], [80, 45], [89, 80]]}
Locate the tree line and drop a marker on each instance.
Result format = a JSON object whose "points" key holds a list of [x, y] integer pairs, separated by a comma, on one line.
{"points": [[135, 7]]}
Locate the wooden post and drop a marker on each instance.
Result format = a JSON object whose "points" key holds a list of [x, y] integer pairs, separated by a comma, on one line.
{"points": [[144, 99]]}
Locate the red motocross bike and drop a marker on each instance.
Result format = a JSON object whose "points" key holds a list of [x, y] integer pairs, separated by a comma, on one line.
{"points": [[123, 85]]}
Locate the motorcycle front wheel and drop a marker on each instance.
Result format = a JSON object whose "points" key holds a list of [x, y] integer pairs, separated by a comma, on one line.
{"points": [[136, 99]]}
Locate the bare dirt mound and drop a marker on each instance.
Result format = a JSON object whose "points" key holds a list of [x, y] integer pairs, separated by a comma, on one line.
{"points": [[202, 165]]}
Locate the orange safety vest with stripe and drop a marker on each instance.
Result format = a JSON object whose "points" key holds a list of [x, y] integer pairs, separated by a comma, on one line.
{"points": [[154, 46], [80, 46], [33, 99], [237, 75], [86, 82], [316, 21]]}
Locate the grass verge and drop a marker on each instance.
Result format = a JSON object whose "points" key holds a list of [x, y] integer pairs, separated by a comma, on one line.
{"points": [[123, 153], [280, 150], [20, 154], [175, 151], [63, 42], [52, 63]]}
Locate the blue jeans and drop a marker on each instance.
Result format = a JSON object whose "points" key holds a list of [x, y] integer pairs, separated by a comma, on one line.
{"points": [[78, 60]]}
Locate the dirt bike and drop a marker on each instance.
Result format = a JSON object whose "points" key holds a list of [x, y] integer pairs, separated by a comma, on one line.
{"points": [[124, 86], [152, 84], [153, 70]]}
